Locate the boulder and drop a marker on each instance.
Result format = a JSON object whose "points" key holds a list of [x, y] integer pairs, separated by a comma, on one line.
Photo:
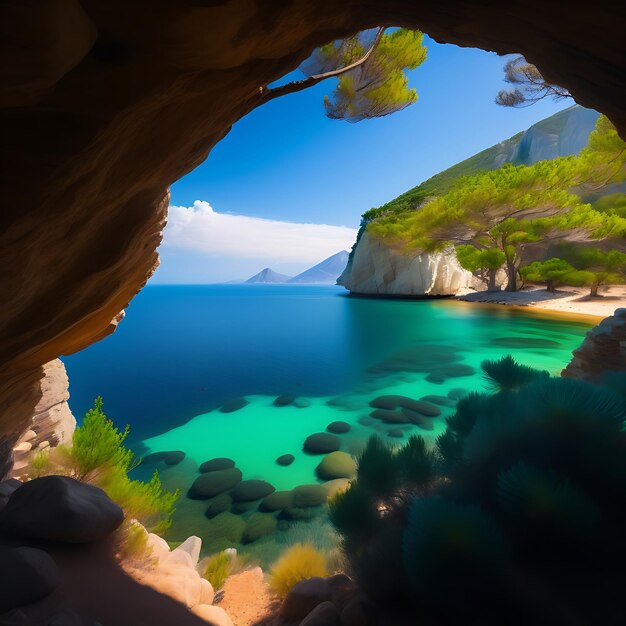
{"points": [[425, 423], [302, 403], [285, 459], [216, 464], [322, 443], [336, 465], [213, 615], [342, 588], [191, 546], [6, 489], [304, 597], [338, 428], [276, 501], [391, 402], [334, 486], [233, 405], [396, 433], [259, 525], [58, 508], [389, 416], [218, 505], [299, 514], [309, 495], [228, 526], [26, 575], [171, 457], [214, 483], [324, 614], [284, 400], [250, 490], [358, 612], [240, 508]]}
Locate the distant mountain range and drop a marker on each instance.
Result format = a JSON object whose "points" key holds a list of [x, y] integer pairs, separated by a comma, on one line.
{"points": [[324, 273]]}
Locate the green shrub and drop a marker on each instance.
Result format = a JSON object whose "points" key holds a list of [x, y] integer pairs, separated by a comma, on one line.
{"points": [[217, 568], [299, 562]]}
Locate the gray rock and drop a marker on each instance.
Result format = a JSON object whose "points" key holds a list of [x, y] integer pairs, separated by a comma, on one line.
{"points": [[216, 464], [250, 490], [214, 483], [27, 575], [324, 614], [285, 459], [343, 589], [7, 487], [58, 508], [284, 400], [233, 405], [309, 495], [322, 443], [170, 457], [304, 597], [218, 505], [277, 501], [336, 465], [338, 428], [259, 525]]}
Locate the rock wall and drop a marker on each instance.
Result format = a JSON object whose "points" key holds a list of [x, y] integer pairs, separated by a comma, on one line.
{"points": [[104, 103], [377, 269], [52, 422], [603, 350]]}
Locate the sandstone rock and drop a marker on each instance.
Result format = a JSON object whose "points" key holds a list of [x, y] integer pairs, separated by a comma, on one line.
{"points": [[216, 464], [304, 597], [322, 443], [285, 459], [338, 428], [324, 614], [27, 575], [336, 465], [214, 615], [250, 490], [191, 546], [214, 483], [57, 508]]}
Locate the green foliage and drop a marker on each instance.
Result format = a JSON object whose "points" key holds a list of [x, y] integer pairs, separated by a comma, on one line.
{"points": [[553, 272], [299, 562], [378, 86], [98, 456], [134, 544], [483, 262], [217, 568], [375, 467], [506, 374], [526, 484], [595, 266]]}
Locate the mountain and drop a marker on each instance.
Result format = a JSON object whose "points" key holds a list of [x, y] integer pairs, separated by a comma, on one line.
{"points": [[374, 268], [561, 134], [268, 275], [325, 272]]}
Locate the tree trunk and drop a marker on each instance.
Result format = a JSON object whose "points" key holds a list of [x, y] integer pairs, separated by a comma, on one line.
{"points": [[550, 286], [511, 271], [491, 282], [593, 291]]}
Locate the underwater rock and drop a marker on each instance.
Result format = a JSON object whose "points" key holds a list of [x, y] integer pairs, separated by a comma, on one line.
{"points": [[233, 405], [302, 403], [250, 490], [366, 420], [331, 487], [259, 525], [218, 505], [440, 400], [525, 342], [338, 428], [324, 614], [358, 612], [7, 487], [418, 419], [216, 464], [322, 443], [391, 402], [213, 483], [396, 433], [276, 501], [299, 514], [336, 465], [27, 575], [457, 393], [436, 377], [213, 615], [228, 526], [389, 416], [240, 508], [284, 400], [171, 457], [309, 495], [285, 459], [58, 508], [191, 546]]}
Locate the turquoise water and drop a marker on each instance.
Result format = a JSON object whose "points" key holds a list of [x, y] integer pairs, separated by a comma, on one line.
{"points": [[183, 351]]}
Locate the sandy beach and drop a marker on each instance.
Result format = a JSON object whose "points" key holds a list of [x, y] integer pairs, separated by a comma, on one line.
{"points": [[570, 301]]}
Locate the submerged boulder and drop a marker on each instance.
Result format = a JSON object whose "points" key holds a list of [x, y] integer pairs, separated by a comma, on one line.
{"points": [[170, 457], [322, 443], [425, 423], [304, 597], [250, 490], [233, 405], [259, 525], [216, 464], [58, 508], [218, 505], [336, 465], [284, 400], [309, 495], [214, 483], [285, 459], [338, 428], [389, 416], [276, 501], [392, 402]]}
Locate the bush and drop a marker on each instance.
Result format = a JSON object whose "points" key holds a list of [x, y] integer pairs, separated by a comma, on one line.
{"points": [[300, 562], [520, 505], [98, 456], [218, 567], [134, 543]]}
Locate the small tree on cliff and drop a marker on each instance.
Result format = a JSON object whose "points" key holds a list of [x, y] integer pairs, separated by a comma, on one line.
{"points": [[483, 263], [370, 68]]}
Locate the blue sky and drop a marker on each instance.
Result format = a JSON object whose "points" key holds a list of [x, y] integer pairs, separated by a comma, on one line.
{"points": [[287, 162]]}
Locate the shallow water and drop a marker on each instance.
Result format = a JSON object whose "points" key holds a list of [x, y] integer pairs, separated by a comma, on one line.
{"points": [[183, 351]]}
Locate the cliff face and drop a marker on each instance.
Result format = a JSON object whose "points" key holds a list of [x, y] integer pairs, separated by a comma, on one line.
{"points": [[378, 270], [105, 103], [52, 422]]}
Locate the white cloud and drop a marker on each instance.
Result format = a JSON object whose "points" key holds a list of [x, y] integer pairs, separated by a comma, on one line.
{"points": [[201, 229]]}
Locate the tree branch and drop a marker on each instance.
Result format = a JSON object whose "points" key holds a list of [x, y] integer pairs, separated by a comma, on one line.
{"points": [[305, 83]]}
